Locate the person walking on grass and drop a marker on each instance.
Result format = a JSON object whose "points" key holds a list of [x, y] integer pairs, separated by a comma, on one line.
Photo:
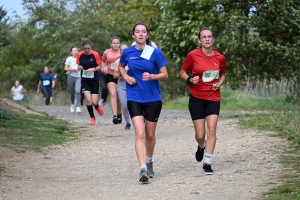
{"points": [[89, 63], [207, 69], [74, 80], [108, 65], [46, 84], [121, 87], [146, 66], [17, 92]]}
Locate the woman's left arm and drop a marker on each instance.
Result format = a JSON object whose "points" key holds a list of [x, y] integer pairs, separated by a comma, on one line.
{"points": [[163, 75]]}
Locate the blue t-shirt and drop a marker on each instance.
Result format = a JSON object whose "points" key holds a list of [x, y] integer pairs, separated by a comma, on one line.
{"points": [[143, 91], [46, 80]]}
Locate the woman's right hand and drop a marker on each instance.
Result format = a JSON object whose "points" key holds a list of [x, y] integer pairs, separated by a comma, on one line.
{"points": [[38, 91], [130, 80]]}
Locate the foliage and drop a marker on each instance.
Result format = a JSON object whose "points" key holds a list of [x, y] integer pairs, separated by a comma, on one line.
{"points": [[258, 38]]}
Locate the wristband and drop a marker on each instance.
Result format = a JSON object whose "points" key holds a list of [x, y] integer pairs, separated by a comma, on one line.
{"points": [[188, 82]]}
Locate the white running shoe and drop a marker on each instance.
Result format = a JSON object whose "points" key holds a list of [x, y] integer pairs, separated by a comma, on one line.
{"points": [[72, 108], [78, 110], [101, 103]]}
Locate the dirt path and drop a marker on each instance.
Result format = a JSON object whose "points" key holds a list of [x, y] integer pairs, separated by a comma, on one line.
{"points": [[103, 165]]}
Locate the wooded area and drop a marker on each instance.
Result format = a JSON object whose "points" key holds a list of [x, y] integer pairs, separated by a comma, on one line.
{"points": [[260, 38]]}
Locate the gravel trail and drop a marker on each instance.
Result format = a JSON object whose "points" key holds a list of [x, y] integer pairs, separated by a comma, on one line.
{"points": [[103, 164]]}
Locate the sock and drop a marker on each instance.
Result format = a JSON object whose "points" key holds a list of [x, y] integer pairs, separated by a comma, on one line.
{"points": [[144, 168], [96, 106], [91, 111], [207, 158], [203, 145], [148, 160]]}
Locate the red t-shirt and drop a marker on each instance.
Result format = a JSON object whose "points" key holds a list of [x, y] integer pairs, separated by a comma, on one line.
{"points": [[208, 68]]}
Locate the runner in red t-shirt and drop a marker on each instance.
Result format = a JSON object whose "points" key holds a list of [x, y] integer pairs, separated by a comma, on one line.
{"points": [[207, 68]]}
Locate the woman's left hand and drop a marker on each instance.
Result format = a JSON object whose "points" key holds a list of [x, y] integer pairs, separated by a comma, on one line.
{"points": [[215, 86], [146, 76]]}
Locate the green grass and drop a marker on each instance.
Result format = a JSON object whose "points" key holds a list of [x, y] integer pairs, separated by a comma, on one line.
{"points": [[285, 121], [32, 132]]}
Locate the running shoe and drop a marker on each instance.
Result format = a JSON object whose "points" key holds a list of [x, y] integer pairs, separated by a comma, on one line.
{"points": [[199, 154], [127, 127], [72, 108], [78, 110], [93, 121], [150, 170], [207, 169], [144, 176], [119, 118], [100, 111], [101, 102], [115, 119]]}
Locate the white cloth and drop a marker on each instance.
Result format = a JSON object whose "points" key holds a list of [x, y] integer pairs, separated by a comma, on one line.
{"points": [[18, 95], [152, 44], [71, 61]]}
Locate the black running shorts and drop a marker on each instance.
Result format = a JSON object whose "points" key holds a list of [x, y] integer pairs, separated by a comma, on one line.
{"points": [[150, 111], [110, 78], [200, 109], [90, 86]]}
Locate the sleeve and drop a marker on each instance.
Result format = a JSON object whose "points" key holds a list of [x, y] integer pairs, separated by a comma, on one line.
{"points": [[12, 89], [123, 59], [78, 57], [40, 77], [52, 77], [223, 65], [98, 59], [160, 60], [188, 63], [104, 57], [68, 61]]}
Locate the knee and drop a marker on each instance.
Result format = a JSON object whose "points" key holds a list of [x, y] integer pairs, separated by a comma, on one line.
{"points": [[150, 137], [140, 136], [199, 137], [211, 132]]}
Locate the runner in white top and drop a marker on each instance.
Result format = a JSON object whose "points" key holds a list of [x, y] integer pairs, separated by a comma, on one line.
{"points": [[74, 79], [18, 92]]}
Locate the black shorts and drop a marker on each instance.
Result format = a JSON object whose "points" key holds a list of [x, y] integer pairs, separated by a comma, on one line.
{"points": [[200, 108], [110, 78], [150, 111], [90, 85]]}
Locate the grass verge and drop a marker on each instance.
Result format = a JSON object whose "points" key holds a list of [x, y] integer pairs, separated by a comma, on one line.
{"points": [[32, 132]]}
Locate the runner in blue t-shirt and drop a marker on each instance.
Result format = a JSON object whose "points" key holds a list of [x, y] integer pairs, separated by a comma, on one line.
{"points": [[146, 66], [46, 84]]}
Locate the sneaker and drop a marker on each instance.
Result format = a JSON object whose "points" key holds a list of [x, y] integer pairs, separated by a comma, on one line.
{"points": [[100, 110], [150, 170], [115, 120], [144, 176], [207, 169], [127, 127], [101, 102], [119, 118], [93, 121], [78, 110], [199, 154], [72, 108]]}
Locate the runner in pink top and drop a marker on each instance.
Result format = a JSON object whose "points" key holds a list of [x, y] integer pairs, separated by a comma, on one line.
{"points": [[108, 65]]}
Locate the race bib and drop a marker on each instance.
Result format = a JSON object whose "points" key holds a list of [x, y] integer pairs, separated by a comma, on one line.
{"points": [[210, 75], [112, 65], [74, 65], [46, 82], [85, 74]]}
